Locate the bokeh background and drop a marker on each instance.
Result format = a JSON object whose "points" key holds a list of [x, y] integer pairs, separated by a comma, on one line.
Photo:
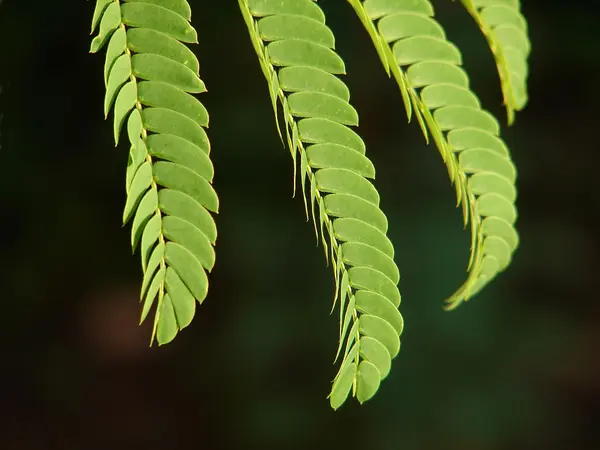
{"points": [[516, 368]]}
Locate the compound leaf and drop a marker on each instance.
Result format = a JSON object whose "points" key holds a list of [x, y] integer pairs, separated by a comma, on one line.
{"points": [[296, 52], [150, 76]]}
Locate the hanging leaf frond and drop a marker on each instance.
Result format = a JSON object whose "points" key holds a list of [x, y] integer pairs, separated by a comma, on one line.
{"points": [[505, 29], [149, 74], [427, 69], [296, 53]]}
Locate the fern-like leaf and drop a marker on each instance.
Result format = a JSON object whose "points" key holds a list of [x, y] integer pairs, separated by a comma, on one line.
{"points": [[505, 29], [149, 74], [427, 68], [295, 50]]}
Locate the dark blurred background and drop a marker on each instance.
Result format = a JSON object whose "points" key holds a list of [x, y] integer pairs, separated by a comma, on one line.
{"points": [[516, 368]]}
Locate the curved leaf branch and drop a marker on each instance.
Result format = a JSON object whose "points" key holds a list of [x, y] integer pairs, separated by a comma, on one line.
{"points": [[295, 51], [427, 69], [149, 74], [505, 29]]}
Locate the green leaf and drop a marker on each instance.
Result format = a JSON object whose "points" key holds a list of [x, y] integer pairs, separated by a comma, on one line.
{"points": [[111, 20], [294, 52], [134, 127], [141, 182], [188, 236], [167, 324], [484, 160], [451, 117], [137, 156], [354, 230], [166, 121], [150, 235], [352, 345], [465, 138], [490, 266], [378, 8], [332, 156], [158, 68], [350, 352], [377, 305], [188, 268], [373, 280], [499, 249], [324, 106], [375, 352], [434, 72], [363, 255], [345, 205], [147, 207], [143, 40], [157, 18], [381, 330], [495, 226], [101, 6], [345, 324], [483, 182], [323, 131], [183, 301], [288, 26], [119, 74], [403, 25], [116, 47], [163, 95], [156, 257], [179, 204], [492, 204], [425, 48], [153, 290], [309, 79], [440, 95], [368, 379], [502, 14], [180, 178], [341, 386], [344, 292], [126, 100], [260, 8], [344, 181], [178, 150], [180, 7]]}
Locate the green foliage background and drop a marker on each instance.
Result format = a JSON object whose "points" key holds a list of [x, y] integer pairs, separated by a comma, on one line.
{"points": [[514, 369]]}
